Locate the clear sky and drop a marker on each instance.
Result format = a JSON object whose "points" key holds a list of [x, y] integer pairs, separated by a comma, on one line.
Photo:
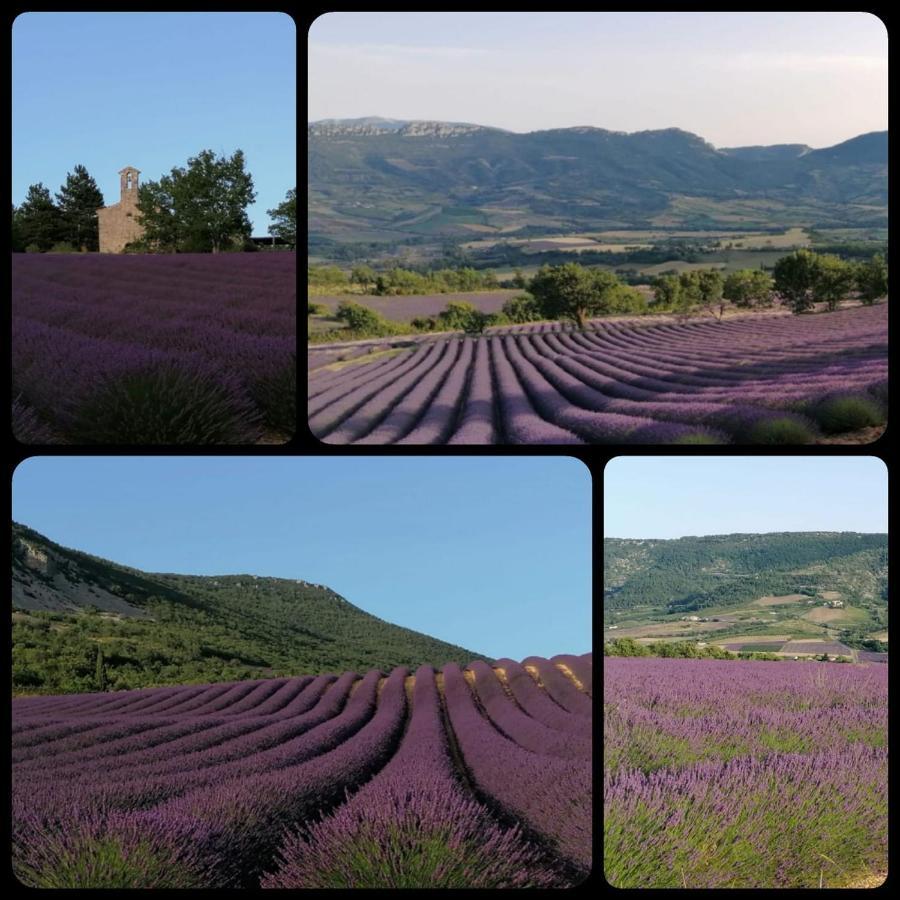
{"points": [[735, 79], [671, 497], [149, 90], [492, 553]]}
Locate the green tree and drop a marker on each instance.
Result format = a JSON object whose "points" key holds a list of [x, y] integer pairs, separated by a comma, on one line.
{"points": [[691, 294], [523, 308], [748, 288], [519, 280], [832, 281], [16, 240], [39, 219], [78, 201], [162, 227], [570, 291], [871, 279], [364, 275], [285, 216], [200, 208], [100, 674], [667, 291], [794, 278], [461, 316], [711, 286]]}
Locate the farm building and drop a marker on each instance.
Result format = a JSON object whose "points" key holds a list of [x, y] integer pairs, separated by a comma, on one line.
{"points": [[118, 223]]}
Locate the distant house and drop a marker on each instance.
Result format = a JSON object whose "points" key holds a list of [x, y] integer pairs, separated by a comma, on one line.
{"points": [[613, 627]]}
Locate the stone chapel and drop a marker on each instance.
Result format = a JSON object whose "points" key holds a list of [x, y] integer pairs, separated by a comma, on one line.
{"points": [[118, 223]]}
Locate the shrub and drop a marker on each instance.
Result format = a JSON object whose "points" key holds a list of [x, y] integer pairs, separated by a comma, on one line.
{"points": [[425, 323], [847, 412], [364, 320], [32, 248], [315, 309], [752, 425], [700, 437], [522, 309], [63, 247], [165, 405], [780, 430], [458, 315]]}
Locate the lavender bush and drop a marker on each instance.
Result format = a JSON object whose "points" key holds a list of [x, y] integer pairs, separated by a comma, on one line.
{"points": [[302, 782], [738, 774], [183, 349], [750, 380]]}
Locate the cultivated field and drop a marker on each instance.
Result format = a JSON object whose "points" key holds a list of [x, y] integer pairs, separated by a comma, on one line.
{"points": [[404, 308], [743, 380], [474, 778], [722, 774], [174, 349]]}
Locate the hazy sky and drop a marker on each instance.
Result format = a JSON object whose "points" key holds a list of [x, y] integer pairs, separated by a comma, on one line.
{"points": [[670, 497], [733, 78], [492, 553], [149, 90]]}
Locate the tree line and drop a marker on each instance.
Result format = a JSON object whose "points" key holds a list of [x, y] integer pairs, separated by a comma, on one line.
{"points": [[197, 208], [801, 279]]}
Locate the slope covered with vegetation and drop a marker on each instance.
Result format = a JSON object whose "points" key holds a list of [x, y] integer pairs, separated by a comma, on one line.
{"points": [[85, 624], [694, 573], [371, 182]]}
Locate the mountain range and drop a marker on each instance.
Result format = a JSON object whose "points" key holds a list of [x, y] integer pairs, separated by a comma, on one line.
{"points": [[81, 623], [382, 179]]}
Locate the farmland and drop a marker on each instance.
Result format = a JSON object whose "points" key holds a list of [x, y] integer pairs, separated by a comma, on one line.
{"points": [[723, 774], [742, 592], [402, 309], [475, 777], [747, 380], [168, 349]]}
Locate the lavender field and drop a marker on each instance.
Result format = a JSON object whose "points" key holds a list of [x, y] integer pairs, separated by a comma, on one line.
{"points": [[744, 774], [752, 380], [144, 349], [459, 778]]}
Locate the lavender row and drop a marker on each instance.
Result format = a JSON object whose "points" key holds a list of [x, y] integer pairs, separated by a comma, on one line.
{"points": [[519, 727], [553, 796], [412, 825], [744, 381], [536, 703]]}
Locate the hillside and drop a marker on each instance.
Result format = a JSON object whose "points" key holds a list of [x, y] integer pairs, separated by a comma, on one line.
{"points": [[379, 180], [81, 623], [816, 585]]}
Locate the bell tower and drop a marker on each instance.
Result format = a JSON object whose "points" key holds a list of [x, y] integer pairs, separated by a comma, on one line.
{"points": [[128, 182]]}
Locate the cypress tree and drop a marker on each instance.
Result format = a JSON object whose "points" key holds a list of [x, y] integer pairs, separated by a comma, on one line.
{"points": [[79, 199]]}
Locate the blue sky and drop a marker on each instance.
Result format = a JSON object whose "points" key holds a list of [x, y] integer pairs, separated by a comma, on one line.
{"points": [[670, 497], [150, 90], [492, 553], [736, 79]]}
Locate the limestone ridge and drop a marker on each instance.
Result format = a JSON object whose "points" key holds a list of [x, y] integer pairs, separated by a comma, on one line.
{"points": [[375, 126]]}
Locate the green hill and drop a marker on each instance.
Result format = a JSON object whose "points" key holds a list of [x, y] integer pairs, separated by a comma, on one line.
{"points": [[693, 573], [807, 586], [81, 623], [376, 180]]}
